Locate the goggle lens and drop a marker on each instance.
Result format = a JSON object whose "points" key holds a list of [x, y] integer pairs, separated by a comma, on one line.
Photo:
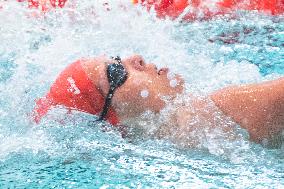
{"points": [[117, 75]]}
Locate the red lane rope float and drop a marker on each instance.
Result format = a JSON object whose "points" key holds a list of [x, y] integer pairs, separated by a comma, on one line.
{"points": [[271, 6], [45, 5], [174, 8], [209, 8]]}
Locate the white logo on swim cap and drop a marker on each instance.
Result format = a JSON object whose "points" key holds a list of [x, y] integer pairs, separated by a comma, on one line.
{"points": [[73, 88]]}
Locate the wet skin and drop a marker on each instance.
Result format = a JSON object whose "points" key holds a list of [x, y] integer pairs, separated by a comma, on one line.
{"points": [[127, 99], [259, 108]]}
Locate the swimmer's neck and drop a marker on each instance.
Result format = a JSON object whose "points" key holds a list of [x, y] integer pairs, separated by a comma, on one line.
{"points": [[258, 108]]}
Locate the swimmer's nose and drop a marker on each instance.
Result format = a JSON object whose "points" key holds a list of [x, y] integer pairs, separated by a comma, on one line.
{"points": [[152, 67], [136, 58], [136, 61]]}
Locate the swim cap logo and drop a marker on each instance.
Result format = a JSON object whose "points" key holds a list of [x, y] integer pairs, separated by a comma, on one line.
{"points": [[73, 88]]}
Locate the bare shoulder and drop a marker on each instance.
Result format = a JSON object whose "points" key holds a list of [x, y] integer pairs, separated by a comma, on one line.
{"points": [[256, 107]]}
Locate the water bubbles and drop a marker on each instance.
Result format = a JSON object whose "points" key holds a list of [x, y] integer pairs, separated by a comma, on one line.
{"points": [[173, 83], [226, 50], [144, 93], [265, 142], [170, 75]]}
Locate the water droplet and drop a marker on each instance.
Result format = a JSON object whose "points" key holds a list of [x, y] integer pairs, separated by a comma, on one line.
{"points": [[264, 142], [170, 75], [144, 93], [173, 83]]}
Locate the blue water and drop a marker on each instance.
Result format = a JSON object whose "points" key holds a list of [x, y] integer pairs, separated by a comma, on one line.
{"points": [[73, 153]]}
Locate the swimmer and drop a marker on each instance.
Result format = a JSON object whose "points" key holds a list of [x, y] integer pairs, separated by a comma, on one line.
{"points": [[119, 91]]}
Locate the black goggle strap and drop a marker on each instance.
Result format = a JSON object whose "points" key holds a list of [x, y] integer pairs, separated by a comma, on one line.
{"points": [[117, 76]]}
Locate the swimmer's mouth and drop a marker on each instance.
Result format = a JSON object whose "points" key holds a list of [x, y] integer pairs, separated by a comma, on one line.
{"points": [[163, 71]]}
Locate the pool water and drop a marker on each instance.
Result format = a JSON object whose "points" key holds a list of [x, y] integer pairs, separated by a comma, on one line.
{"points": [[74, 152]]}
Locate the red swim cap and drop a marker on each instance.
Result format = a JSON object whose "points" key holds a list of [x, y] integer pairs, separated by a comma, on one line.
{"points": [[74, 90], [45, 4]]}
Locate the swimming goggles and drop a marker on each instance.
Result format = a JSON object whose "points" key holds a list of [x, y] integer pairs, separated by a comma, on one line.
{"points": [[117, 75]]}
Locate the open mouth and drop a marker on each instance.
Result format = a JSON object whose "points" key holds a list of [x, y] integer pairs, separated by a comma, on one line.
{"points": [[163, 71]]}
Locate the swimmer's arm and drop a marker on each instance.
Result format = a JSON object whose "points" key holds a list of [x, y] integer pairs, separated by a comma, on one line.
{"points": [[259, 108]]}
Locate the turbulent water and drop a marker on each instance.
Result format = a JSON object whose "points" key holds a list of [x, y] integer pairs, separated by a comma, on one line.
{"points": [[211, 54]]}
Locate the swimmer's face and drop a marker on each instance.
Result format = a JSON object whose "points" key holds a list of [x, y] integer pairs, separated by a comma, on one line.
{"points": [[146, 87]]}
